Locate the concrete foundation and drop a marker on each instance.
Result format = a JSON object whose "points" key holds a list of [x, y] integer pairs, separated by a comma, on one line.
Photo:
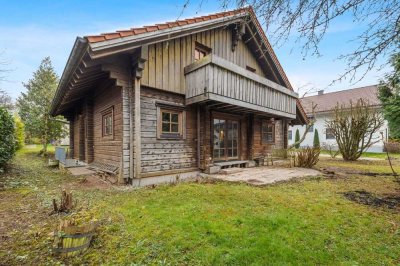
{"points": [[164, 179]]}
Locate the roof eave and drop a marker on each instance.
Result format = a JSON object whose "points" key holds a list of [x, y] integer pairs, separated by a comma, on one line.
{"points": [[79, 48], [131, 40]]}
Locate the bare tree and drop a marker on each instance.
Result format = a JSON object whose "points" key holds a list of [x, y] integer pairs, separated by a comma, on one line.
{"points": [[311, 19], [5, 100], [354, 126]]}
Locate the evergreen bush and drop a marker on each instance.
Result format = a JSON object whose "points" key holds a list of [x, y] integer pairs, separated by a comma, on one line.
{"points": [[7, 140]]}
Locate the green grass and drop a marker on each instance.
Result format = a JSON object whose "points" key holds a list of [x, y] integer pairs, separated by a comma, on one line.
{"points": [[376, 166], [377, 155], [303, 222]]}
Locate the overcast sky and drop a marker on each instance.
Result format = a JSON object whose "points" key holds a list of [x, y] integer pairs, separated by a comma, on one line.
{"points": [[32, 30]]}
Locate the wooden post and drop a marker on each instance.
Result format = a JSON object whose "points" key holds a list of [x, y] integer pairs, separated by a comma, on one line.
{"points": [[250, 137], [81, 148], [138, 61], [198, 137], [71, 137], [89, 134], [137, 143]]}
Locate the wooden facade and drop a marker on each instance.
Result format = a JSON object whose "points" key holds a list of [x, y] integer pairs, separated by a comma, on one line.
{"points": [[167, 60], [158, 110]]}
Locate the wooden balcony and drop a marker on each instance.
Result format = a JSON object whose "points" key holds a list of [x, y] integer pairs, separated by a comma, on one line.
{"points": [[218, 80]]}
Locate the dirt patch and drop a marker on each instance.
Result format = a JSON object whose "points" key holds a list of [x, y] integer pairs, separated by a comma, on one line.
{"points": [[93, 181], [367, 198]]}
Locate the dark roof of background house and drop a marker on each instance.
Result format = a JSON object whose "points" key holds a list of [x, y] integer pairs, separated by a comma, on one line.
{"points": [[327, 101]]}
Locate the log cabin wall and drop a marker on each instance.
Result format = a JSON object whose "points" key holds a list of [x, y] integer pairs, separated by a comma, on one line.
{"points": [[166, 60], [160, 155], [205, 139], [107, 149], [76, 135], [259, 148], [88, 108], [71, 137]]}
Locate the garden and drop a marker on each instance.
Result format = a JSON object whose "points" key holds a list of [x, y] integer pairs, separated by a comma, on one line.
{"points": [[317, 220]]}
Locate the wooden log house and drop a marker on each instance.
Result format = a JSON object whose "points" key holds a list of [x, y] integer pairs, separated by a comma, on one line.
{"points": [[178, 97]]}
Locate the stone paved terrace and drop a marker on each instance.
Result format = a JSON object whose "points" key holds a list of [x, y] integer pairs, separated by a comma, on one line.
{"points": [[263, 175]]}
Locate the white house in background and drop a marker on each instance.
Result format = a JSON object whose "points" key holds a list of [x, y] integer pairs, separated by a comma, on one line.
{"points": [[325, 103]]}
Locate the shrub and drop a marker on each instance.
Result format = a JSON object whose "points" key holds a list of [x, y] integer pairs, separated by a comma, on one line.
{"points": [[331, 148], [280, 153], [307, 157], [7, 142], [392, 146], [297, 139], [19, 133], [354, 126], [316, 139]]}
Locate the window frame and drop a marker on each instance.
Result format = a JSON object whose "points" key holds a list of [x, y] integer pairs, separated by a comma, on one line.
{"points": [[263, 133], [290, 134], [181, 134], [311, 129], [251, 69], [201, 48], [108, 112]]}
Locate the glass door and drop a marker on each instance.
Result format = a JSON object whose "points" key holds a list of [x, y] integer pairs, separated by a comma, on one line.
{"points": [[225, 139], [219, 139]]}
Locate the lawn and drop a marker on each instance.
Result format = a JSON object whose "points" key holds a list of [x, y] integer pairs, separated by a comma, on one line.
{"points": [[377, 155], [304, 222]]}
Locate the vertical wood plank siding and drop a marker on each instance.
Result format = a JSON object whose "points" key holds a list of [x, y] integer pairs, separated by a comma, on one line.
{"points": [[161, 154], [217, 80], [166, 61]]}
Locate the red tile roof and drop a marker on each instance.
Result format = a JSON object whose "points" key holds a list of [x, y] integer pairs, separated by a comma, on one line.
{"points": [[326, 102], [167, 25]]}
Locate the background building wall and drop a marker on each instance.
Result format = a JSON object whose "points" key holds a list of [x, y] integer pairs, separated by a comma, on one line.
{"points": [[320, 126]]}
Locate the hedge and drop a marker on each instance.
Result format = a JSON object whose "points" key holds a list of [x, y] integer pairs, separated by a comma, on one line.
{"points": [[7, 140]]}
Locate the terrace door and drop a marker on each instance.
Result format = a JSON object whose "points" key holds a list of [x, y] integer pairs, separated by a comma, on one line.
{"points": [[225, 139]]}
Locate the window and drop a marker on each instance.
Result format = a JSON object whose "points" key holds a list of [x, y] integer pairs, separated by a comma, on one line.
{"points": [[249, 68], [107, 122], [200, 51], [329, 134], [311, 129], [268, 132], [170, 124], [289, 135]]}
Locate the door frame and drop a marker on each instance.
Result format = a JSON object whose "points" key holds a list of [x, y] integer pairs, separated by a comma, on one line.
{"points": [[225, 116]]}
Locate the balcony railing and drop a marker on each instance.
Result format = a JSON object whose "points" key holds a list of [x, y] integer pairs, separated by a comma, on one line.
{"points": [[216, 79]]}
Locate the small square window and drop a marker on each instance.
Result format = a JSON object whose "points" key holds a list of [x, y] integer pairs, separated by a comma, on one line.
{"points": [[311, 129], [171, 123], [200, 51]]}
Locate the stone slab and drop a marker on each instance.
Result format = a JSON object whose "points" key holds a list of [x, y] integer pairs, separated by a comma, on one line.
{"points": [[229, 171], [266, 175]]}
